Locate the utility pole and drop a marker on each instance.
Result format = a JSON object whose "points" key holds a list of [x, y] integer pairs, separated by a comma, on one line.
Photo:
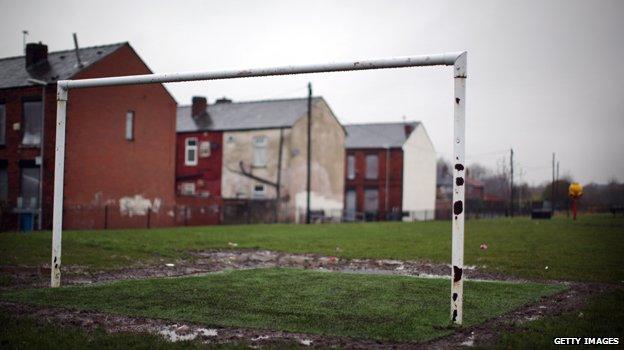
{"points": [[557, 182], [511, 193], [552, 185], [309, 152]]}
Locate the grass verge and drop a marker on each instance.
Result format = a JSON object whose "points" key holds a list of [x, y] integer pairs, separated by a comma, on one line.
{"points": [[391, 308], [603, 317]]}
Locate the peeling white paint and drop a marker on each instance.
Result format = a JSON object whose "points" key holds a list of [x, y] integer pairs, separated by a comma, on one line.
{"points": [[331, 207], [156, 205], [137, 205]]}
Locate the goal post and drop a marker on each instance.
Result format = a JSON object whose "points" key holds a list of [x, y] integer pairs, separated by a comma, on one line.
{"points": [[456, 59]]}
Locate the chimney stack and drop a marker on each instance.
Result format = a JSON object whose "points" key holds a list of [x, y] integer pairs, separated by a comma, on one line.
{"points": [[408, 129], [36, 53], [200, 104]]}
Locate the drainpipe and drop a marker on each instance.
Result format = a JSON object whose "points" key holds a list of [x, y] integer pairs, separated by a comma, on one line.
{"points": [[41, 148], [278, 193], [309, 153], [387, 173]]}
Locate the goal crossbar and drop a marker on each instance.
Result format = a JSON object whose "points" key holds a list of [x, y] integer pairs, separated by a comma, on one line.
{"points": [[456, 59]]}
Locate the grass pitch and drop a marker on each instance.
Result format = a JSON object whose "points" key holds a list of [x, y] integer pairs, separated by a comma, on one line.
{"points": [[391, 308], [589, 249]]}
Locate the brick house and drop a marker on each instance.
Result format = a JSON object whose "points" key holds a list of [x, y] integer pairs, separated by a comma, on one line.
{"points": [[244, 156], [390, 172], [119, 167]]}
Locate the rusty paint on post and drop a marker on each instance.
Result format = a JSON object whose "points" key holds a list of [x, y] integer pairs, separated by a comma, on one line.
{"points": [[59, 172], [459, 208]]}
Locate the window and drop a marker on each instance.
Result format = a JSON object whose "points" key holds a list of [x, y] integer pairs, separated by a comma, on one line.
{"points": [[259, 191], [2, 125], [204, 149], [32, 123], [4, 183], [350, 167], [190, 151], [259, 151], [372, 167], [188, 189], [350, 205], [29, 188], [130, 125], [371, 200]]}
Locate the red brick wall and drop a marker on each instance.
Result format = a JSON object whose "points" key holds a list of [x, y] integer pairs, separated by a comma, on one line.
{"points": [[12, 152], [207, 178], [395, 178], [208, 169], [101, 165]]}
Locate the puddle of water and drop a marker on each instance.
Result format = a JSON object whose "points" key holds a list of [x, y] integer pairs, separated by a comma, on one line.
{"points": [[175, 334]]}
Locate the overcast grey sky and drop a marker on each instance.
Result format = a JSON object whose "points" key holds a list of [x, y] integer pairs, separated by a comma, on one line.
{"points": [[544, 76]]}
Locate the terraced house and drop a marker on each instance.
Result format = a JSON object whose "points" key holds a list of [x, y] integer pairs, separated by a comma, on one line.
{"points": [[390, 172], [120, 141], [250, 159]]}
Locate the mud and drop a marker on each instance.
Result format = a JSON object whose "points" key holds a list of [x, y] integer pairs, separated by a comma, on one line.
{"points": [[571, 300], [218, 260]]}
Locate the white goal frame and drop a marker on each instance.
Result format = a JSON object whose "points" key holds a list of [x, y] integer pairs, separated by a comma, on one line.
{"points": [[456, 59]]}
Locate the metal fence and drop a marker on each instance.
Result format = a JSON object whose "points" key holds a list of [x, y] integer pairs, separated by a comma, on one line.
{"points": [[229, 213], [259, 212]]}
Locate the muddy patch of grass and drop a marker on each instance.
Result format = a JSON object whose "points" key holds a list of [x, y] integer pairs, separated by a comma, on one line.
{"points": [[388, 308]]}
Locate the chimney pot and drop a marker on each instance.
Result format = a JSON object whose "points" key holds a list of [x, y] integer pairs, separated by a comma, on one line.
{"points": [[36, 53], [223, 100], [200, 104]]}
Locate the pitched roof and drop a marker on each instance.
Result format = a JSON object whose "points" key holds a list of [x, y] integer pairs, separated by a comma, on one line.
{"points": [[265, 114], [377, 135], [60, 65]]}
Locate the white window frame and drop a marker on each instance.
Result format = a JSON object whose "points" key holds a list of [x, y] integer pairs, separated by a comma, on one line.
{"points": [[205, 149], [130, 125], [260, 145], [34, 140], [367, 175], [188, 147], [188, 189], [367, 197], [258, 194], [351, 166]]}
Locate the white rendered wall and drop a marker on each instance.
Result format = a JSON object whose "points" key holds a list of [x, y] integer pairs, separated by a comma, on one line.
{"points": [[419, 176]]}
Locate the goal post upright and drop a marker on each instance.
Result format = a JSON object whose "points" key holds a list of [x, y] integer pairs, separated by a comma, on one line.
{"points": [[456, 59], [459, 181], [59, 177]]}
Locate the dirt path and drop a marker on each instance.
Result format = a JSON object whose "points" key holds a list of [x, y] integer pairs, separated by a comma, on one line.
{"points": [[217, 260], [571, 300]]}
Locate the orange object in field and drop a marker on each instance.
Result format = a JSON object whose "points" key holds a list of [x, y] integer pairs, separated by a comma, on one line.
{"points": [[575, 192]]}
